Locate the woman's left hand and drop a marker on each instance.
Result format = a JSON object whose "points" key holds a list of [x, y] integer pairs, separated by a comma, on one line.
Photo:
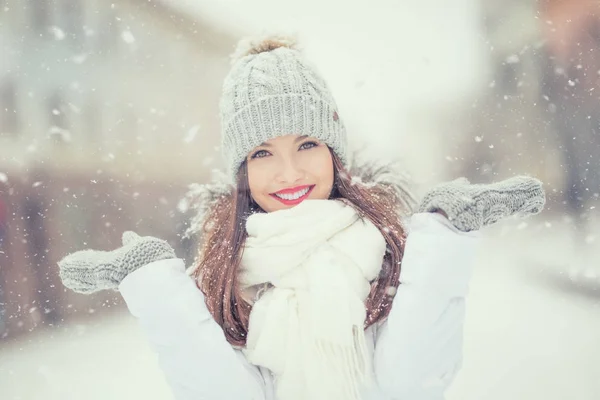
{"points": [[470, 207]]}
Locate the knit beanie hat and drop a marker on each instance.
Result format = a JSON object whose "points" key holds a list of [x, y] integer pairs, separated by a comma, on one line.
{"points": [[272, 91]]}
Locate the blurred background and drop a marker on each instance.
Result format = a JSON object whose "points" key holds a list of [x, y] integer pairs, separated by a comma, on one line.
{"points": [[109, 111]]}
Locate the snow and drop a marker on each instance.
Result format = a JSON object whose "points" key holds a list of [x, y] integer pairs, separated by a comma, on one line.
{"points": [[63, 135], [512, 59], [531, 333], [57, 32], [191, 134], [127, 37], [106, 359], [79, 58]]}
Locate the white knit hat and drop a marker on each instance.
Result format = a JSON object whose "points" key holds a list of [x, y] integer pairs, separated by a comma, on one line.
{"points": [[272, 91]]}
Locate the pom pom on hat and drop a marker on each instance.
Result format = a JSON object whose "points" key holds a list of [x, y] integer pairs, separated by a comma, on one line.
{"points": [[262, 44]]}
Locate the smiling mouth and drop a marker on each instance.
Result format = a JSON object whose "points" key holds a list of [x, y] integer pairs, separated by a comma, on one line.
{"points": [[293, 196]]}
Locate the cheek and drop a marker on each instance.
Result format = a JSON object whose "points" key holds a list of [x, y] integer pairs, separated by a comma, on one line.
{"points": [[258, 178], [320, 167]]}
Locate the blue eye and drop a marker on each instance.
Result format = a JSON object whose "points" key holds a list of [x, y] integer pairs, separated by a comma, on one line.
{"points": [[308, 145], [260, 154]]}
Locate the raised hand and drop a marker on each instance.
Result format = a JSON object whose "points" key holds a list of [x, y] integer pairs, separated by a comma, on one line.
{"points": [[89, 271], [472, 206]]}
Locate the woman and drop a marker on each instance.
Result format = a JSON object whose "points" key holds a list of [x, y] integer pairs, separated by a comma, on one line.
{"points": [[310, 284]]}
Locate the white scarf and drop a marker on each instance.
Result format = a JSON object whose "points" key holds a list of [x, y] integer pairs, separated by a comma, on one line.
{"points": [[309, 328]]}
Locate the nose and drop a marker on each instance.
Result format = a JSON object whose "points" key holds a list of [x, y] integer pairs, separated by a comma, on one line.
{"points": [[289, 171]]}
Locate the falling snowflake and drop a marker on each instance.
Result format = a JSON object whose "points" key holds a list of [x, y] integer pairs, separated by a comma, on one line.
{"points": [[127, 37], [60, 133], [74, 108], [79, 58], [58, 33], [183, 205], [191, 134], [512, 59], [589, 239]]}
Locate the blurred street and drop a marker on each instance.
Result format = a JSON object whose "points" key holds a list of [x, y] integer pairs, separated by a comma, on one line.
{"points": [[531, 333]]}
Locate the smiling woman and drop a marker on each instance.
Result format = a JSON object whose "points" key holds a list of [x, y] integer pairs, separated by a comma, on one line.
{"points": [[287, 170], [296, 293]]}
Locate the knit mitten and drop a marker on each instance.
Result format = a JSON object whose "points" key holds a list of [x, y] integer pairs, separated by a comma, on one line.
{"points": [[89, 271], [471, 207]]}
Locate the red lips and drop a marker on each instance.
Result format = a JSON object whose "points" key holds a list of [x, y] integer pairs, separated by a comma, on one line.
{"points": [[291, 191]]}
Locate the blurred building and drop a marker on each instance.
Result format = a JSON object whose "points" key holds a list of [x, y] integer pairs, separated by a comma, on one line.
{"points": [[108, 110], [572, 89], [540, 114], [509, 131]]}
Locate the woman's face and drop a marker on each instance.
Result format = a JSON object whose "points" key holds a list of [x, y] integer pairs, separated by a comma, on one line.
{"points": [[287, 170]]}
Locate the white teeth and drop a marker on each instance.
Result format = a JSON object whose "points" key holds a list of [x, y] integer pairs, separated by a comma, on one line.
{"points": [[293, 196]]}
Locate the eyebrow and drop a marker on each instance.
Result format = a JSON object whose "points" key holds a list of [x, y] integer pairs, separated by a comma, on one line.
{"points": [[299, 138]]}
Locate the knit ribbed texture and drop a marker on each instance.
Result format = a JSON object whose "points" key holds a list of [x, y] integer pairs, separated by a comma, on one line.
{"points": [[272, 94], [471, 207], [89, 271]]}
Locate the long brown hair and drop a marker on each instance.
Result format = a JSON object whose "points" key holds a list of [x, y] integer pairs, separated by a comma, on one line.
{"points": [[225, 235]]}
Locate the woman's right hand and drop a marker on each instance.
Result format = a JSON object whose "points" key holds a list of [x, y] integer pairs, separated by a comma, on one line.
{"points": [[89, 271]]}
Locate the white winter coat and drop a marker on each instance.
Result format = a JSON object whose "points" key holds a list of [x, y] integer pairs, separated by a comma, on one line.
{"points": [[416, 352]]}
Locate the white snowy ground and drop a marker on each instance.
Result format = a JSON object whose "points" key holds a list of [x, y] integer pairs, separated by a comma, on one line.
{"points": [[530, 334]]}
